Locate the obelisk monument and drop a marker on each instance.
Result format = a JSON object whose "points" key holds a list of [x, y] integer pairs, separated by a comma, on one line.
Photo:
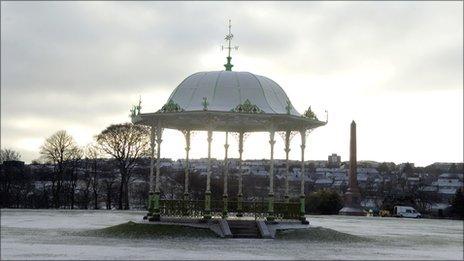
{"points": [[352, 196]]}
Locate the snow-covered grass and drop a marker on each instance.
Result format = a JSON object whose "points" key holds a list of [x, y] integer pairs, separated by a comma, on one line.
{"points": [[61, 234], [138, 230], [319, 234]]}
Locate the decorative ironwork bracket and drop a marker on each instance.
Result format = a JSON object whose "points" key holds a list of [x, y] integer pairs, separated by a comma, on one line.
{"points": [[135, 111], [247, 107], [283, 134], [171, 106], [310, 114], [205, 103], [289, 107]]}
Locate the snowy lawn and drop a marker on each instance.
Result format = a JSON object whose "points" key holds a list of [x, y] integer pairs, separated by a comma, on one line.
{"points": [[62, 234]]}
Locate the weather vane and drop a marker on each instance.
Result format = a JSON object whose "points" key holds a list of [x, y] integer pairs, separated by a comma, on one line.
{"points": [[229, 37]]}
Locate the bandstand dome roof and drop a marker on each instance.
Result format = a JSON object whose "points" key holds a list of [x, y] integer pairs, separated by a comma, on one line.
{"points": [[230, 101], [227, 101], [225, 90]]}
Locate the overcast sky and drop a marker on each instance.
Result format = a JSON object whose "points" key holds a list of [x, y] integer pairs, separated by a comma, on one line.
{"points": [[396, 68]]}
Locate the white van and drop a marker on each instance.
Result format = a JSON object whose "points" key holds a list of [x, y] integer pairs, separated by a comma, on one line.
{"points": [[405, 211]]}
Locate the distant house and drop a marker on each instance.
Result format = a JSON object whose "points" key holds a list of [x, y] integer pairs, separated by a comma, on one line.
{"points": [[339, 184], [412, 181], [458, 176], [323, 183], [446, 166], [368, 170], [254, 169], [448, 184], [42, 184], [340, 176], [362, 179], [322, 172], [447, 193], [430, 189], [295, 175], [164, 164], [261, 173], [179, 165]]}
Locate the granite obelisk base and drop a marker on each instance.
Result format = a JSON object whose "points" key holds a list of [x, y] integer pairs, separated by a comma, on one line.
{"points": [[352, 205]]}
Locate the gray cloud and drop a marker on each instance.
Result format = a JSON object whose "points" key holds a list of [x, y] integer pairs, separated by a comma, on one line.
{"points": [[64, 61]]}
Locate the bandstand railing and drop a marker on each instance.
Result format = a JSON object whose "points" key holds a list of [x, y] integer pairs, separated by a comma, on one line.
{"points": [[254, 209]]}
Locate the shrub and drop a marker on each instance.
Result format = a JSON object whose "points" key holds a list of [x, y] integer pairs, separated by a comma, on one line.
{"points": [[325, 202], [457, 204]]}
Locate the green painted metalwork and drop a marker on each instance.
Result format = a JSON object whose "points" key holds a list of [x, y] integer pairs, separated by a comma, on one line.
{"points": [[132, 112], [225, 205], [255, 209], [151, 207], [228, 65], [207, 214], [247, 107], [284, 210], [156, 207], [228, 38], [287, 199], [302, 207], [240, 206], [205, 103], [289, 107], [171, 106], [136, 109], [270, 209], [182, 208], [310, 114]]}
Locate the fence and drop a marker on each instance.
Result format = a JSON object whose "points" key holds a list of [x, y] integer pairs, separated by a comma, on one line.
{"points": [[254, 209]]}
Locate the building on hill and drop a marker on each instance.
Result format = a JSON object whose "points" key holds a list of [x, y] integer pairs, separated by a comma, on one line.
{"points": [[334, 161], [448, 184], [323, 183]]}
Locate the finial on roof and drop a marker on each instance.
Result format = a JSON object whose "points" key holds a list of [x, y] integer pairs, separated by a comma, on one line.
{"points": [[139, 106], [136, 108], [288, 108], [205, 103], [228, 38]]}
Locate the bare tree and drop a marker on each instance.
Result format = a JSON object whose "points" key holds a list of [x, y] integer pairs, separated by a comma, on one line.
{"points": [[92, 155], [9, 154], [73, 178], [109, 192], [61, 150], [125, 143]]}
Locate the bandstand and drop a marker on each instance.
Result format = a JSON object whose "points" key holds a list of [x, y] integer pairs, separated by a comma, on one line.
{"points": [[229, 102]]}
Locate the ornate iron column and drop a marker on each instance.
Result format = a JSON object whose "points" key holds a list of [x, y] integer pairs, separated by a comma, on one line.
{"points": [[240, 176], [156, 210], [226, 176], [302, 181], [287, 165], [208, 179], [270, 216], [187, 164], [152, 155]]}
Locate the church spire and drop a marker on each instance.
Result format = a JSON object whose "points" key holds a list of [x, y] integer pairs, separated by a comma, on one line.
{"points": [[228, 38]]}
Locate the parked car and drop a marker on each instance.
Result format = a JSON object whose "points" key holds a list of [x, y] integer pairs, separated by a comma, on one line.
{"points": [[406, 211]]}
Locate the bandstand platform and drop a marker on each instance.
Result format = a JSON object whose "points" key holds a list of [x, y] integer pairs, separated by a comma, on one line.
{"points": [[244, 227]]}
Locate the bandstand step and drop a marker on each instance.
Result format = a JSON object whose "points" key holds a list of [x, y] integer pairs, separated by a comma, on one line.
{"points": [[244, 229]]}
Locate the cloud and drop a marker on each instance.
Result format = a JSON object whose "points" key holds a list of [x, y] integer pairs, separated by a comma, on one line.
{"points": [[79, 65]]}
